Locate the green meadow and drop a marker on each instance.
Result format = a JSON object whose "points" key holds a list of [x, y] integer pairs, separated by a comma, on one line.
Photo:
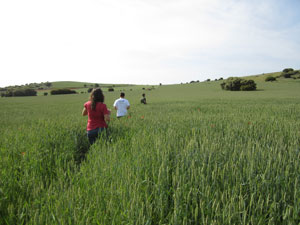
{"points": [[195, 154]]}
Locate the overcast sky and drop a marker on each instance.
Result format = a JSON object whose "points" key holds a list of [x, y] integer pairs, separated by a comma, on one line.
{"points": [[145, 41]]}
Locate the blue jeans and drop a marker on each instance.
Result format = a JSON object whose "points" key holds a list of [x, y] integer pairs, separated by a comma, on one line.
{"points": [[93, 134]]}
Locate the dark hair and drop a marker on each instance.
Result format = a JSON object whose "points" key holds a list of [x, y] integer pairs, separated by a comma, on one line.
{"points": [[96, 96], [143, 94], [122, 94]]}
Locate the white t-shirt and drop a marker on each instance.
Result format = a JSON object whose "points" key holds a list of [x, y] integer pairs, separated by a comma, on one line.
{"points": [[121, 105]]}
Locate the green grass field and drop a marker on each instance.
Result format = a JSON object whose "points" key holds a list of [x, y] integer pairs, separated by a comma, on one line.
{"points": [[194, 155]]}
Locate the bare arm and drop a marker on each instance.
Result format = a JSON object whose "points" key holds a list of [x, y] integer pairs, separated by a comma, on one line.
{"points": [[84, 112], [128, 107], [107, 117]]}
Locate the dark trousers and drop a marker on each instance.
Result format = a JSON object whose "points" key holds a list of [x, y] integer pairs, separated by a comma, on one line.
{"points": [[94, 134]]}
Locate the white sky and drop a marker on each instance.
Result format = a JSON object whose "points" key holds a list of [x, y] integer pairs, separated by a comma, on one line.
{"points": [[145, 41]]}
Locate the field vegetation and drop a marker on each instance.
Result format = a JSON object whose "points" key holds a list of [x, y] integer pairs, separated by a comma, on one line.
{"points": [[285, 73], [195, 154]]}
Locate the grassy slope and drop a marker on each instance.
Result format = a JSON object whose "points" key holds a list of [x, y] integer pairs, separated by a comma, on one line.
{"points": [[199, 155], [79, 86], [69, 84], [262, 77], [75, 84]]}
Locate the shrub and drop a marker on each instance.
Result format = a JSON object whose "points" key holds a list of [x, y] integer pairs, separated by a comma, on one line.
{"points": [[24, 92], [248, 85], [238, 84], [9, 93], [62, 91], [111, 89], [232, 84], [287, 74], [89, 90], [270, 78], [48, 84], [20, 92], [223, 85], [45, 93], [297, 76], [286, 70]]}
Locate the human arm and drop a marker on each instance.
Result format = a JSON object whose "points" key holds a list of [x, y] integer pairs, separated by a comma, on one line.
{"points": [[107, 115], [115, 105], [128, 105], [84, 111]]}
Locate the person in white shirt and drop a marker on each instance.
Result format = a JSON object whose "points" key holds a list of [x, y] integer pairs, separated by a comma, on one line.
{"points": [[121, 105]]}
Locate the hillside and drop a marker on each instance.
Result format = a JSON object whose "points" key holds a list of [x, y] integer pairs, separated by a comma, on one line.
{"points": [[76, 84], [262, 77], [64, 84], [82, 87]]}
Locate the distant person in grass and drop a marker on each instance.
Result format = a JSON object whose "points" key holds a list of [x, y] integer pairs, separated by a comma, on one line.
{"points": [[143, 99], [121, 105], [97, 113]]}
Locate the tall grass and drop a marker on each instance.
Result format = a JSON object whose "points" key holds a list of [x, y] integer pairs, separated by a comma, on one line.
{"points": [[206, 160]]}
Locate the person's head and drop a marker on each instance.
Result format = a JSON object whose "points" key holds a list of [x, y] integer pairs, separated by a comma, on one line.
{"points": [[143, 94], [122, 95], [96, 96]]}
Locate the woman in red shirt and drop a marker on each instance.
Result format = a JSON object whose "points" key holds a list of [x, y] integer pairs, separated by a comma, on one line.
{"points": [[98, 115]]}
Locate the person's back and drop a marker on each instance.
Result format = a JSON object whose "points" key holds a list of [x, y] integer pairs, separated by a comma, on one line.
{"points": [[96, 116], [97, 113], [143, 100], [121, 105]]}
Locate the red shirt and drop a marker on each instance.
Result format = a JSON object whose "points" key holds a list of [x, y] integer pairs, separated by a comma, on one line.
{"points": [[96, 117]]}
